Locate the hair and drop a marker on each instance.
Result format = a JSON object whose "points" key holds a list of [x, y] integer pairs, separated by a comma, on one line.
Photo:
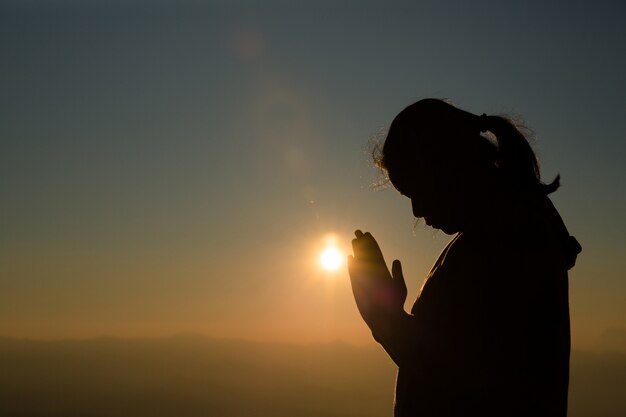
{"points": [[428, 120]]}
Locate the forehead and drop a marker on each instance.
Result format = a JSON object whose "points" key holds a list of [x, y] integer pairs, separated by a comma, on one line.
{"points": [[414, 147], [413, 179]]}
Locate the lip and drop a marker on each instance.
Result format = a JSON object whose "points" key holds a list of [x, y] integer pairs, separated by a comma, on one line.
{"points": [[434, 223]]}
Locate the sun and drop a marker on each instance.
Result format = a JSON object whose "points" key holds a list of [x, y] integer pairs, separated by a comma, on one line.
{"points": [[331, 258]]}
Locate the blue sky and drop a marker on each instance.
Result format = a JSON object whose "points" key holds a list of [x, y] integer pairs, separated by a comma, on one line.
{"points": [[169, 166]]}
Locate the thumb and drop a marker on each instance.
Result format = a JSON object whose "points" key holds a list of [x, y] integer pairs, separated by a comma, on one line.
{"points": [[396, 273]]}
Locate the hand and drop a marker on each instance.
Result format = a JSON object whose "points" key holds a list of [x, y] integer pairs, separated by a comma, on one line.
{"points": [[377, 293]]}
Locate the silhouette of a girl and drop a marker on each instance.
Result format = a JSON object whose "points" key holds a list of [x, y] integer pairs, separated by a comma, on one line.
{"points": [[489, 332]]}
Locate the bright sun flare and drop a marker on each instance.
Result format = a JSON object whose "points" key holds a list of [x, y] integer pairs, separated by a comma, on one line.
{"points": [[331, 259]]}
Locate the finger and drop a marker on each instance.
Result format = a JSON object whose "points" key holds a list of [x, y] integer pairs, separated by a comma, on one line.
{"points": [[396, 273], [353, 271], [355, 247], [364, 239], [369, 248], [356, 282], [360, 245], [360, 278]]}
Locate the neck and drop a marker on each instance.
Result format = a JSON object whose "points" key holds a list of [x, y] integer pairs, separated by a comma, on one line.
{"points": [[486, 205]]}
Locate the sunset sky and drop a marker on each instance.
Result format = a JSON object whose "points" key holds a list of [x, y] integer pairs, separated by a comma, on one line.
{"points": [[179, 166]]}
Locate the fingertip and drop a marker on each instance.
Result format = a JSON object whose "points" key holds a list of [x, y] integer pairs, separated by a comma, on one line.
{"points": [[396, 268], [358, 233]]}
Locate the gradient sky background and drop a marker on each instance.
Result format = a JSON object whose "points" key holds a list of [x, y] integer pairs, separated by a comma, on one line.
{"points": [[175, 166]]}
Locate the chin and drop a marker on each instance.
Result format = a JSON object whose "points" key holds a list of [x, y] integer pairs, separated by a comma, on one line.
{"points": [[447, 229]]}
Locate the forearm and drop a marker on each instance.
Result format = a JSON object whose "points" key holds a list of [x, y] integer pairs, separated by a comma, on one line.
{"points": [[396, 333]]}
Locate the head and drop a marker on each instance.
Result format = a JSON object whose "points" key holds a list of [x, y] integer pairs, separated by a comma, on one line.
{"points": [[435, 155]]}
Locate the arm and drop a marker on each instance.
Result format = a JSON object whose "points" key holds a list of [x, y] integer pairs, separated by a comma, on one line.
{"points": [[380, 296]]}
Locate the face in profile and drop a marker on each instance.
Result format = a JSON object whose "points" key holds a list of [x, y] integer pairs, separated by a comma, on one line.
{"points": [[439, 196], [435, 155]]}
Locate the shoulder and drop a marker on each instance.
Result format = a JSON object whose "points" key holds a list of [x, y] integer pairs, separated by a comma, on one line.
{"points": [[516, 244], [519, 226]]}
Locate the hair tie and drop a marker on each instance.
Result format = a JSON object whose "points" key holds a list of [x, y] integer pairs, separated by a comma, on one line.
{"points": [[482, 122]]}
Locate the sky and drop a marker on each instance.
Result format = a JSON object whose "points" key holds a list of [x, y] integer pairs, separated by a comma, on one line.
{"points": [[177, 166]]}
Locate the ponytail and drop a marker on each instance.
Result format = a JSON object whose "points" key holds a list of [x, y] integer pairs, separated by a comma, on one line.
{"points": [[515, 160]]}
